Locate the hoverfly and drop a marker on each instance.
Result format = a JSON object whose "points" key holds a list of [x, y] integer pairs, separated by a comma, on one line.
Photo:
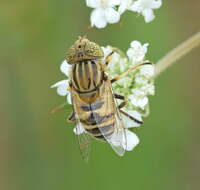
{"points": [[94, 103]]}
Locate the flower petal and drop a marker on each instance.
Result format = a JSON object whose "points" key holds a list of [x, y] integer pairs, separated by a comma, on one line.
{"points": [[141, 80], [107, 50], [156, 4], [148, 71], [137, 51], [93, 3], [135, 7], [125, 4], [148, 15], [112, 3], [97, 18], [112, 16], [62, 87], [135, 44], [65, 68], [142, 102], [131, 140], [138, 101]]}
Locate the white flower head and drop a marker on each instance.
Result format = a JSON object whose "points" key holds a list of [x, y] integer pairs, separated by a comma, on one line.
{"points": [[145, 8], [137, 51], [104, 12]]}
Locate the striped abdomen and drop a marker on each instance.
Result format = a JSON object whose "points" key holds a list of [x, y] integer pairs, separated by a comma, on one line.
{"points": [[96, 120], [98, 116], [86, 75]]}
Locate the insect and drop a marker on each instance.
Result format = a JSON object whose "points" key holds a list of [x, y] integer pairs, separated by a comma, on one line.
{"points": [[95, 109]]}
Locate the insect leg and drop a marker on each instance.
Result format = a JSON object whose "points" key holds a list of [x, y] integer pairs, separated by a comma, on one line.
{"points": [[58, 108], [118, 96], [71, 118], [131, 117], [108, 58], [129, 70]]}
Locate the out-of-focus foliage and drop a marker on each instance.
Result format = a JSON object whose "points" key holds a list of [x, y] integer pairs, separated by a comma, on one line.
{"points": [[39, 151]]}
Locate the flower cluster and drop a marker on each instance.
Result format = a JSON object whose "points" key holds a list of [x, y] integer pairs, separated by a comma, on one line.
{"points": [[109, 11], [136, 86]]}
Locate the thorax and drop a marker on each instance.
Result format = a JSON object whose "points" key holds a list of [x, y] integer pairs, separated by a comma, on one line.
{"points": [[87, 76]]}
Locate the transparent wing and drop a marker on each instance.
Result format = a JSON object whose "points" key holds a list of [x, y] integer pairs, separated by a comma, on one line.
{"points": [[84, 139], [117, 140]]}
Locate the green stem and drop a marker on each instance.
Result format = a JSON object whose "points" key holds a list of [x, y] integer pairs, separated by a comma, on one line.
{"points": [[177, 53]]}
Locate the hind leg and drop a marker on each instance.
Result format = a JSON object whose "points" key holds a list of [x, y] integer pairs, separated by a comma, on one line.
{"points": [[71, 117], [120, 97]]}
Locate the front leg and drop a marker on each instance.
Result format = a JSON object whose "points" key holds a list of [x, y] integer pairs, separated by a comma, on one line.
{"points": [[128, 71], [108, 58]]}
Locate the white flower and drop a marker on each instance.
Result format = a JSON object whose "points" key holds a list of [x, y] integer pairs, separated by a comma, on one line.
{"points": [[141, 80], [103, 12], [128, 140], [147, 71], [136, 52], [129, 123], [137, 101], [148, 89], [138, 92], [65, 68], [145, 7], [125, 82], [62, 87], [106, 50], [124, 5], [131, 140], [117, 64]]}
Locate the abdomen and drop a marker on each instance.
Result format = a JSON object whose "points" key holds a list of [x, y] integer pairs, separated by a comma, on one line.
{"points": [[98, 116]]}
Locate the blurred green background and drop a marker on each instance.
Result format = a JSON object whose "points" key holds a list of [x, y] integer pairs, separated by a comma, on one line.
{"points": [[38, 151]]}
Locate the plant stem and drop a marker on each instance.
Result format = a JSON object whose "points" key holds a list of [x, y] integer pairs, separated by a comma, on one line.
{"points": [[177, 53]]}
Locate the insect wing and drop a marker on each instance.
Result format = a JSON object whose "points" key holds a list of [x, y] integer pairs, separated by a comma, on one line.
{"points": [[84, 139], [117, 140]]}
